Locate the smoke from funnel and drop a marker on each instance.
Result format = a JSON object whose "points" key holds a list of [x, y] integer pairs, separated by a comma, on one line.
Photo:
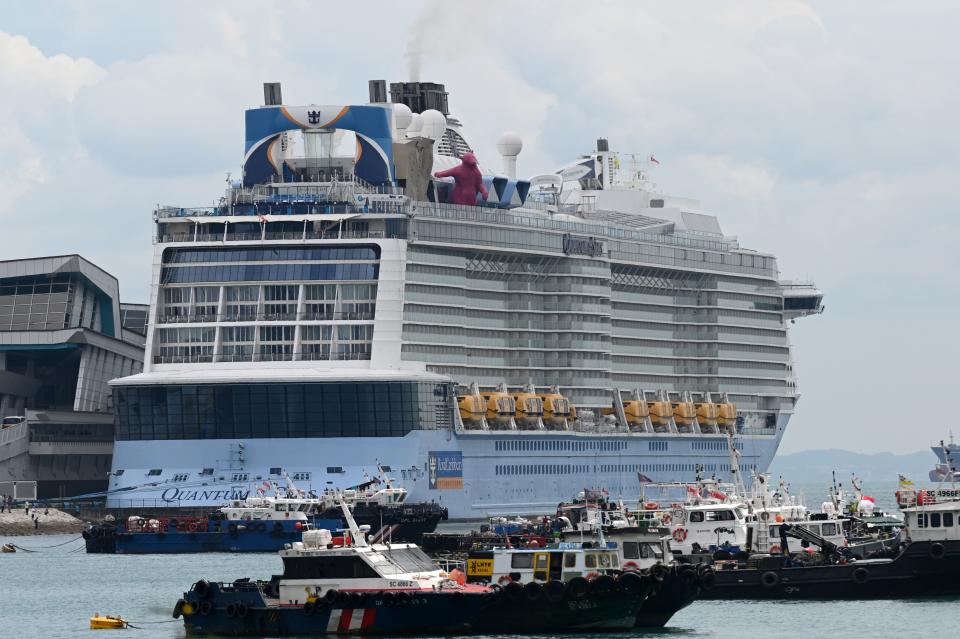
{"points": [[415, 45]]}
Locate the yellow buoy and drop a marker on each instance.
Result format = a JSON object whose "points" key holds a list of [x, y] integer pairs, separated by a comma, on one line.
{"points": [[106, 622]]}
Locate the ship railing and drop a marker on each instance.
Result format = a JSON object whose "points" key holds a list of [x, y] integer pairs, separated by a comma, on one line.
{"points": [[330, 356], [267, 317], [171, 238], [449, 564]]}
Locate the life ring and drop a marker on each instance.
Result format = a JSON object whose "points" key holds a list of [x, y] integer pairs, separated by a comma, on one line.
{"points": [[769, 579], [937, 551], [861, 575], [631, 566], [504, 580], [775, 549], [650, 505], [666, 519], [764, 516], [680, 535], [192, 526]]}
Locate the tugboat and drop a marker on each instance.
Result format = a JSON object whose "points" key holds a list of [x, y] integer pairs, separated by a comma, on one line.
{"points": [[353, 587], [266, 523], [926, 560]]}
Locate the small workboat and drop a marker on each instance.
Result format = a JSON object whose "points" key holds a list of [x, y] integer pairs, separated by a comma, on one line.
{"points": [[107, 622]]}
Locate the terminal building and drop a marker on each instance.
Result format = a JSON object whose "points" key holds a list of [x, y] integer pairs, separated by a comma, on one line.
{"points": [[64, 334]]}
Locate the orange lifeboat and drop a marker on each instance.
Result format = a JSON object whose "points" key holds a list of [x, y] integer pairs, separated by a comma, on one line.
{"points": [[472, 407], [637, 412], [528, 408], [708, 414], [557, 409], [727, 414], [500, 406], [684, 413], [661, 412]]}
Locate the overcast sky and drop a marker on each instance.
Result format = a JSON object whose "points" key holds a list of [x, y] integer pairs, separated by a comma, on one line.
{"points": [[824, 133]]}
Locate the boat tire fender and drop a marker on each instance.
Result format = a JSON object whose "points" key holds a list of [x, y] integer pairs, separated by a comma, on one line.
{"points": [[658, 572], [178, 608], [330, 596], [403, 598], [769, 579], [205, 608], [937, 551], [278, 528], [630, 582], [554, 591], [861, 575], [231, 609], [202, 588], [233, 529], [514, 591], [708, 578], [242, 610], [577, 588], [533, 591]]}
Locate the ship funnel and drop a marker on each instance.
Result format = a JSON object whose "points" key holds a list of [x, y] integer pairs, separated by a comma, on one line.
{"points": [[603, 145], [271, 94]]}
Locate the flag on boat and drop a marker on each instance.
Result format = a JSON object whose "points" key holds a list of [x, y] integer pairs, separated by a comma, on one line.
{"points": [[644, 479], [905, 483], [654, 160]]}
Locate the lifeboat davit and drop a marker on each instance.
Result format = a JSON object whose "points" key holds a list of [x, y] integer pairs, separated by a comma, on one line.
{"points": [[557, 409], [529, 408], [500, 406]]}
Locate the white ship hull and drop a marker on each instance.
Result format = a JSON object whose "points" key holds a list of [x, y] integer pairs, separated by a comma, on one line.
{"points": [[476, 479]]}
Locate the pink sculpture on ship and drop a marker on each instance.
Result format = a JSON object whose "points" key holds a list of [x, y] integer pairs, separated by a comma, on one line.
{"points": [[468, 181]]}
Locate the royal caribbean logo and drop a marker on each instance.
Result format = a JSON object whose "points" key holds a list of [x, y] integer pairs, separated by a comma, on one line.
{"points": [[445, 470], [573, 245]]}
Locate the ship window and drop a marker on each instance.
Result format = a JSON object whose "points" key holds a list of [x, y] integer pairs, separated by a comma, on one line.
{"points": [[327, 567], [276, 470], [631, 550], [118, 473], [696, 517], [590, 560], [569, 560], [154, 472], [386, 469], [947, 520], [921, 520], [521, 560], [720, 515], [335, 469], [934, 520]]}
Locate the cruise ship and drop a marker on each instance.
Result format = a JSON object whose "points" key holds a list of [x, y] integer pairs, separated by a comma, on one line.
{"points": [[334, 312]]}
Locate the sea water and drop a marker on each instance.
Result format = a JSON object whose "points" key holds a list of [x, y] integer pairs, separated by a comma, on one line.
{"points": [[53, 591]]}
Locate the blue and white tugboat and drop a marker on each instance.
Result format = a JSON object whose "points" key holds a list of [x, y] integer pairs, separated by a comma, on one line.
{"points": [[354, 587]]}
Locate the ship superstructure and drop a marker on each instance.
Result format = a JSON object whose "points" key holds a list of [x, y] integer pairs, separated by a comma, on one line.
{"points": [[333, 311]]}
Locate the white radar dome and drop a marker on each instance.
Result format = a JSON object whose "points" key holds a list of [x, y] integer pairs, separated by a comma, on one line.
{"points": [[415, 126], [433, 124], [402, 116], [509, 143]]}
